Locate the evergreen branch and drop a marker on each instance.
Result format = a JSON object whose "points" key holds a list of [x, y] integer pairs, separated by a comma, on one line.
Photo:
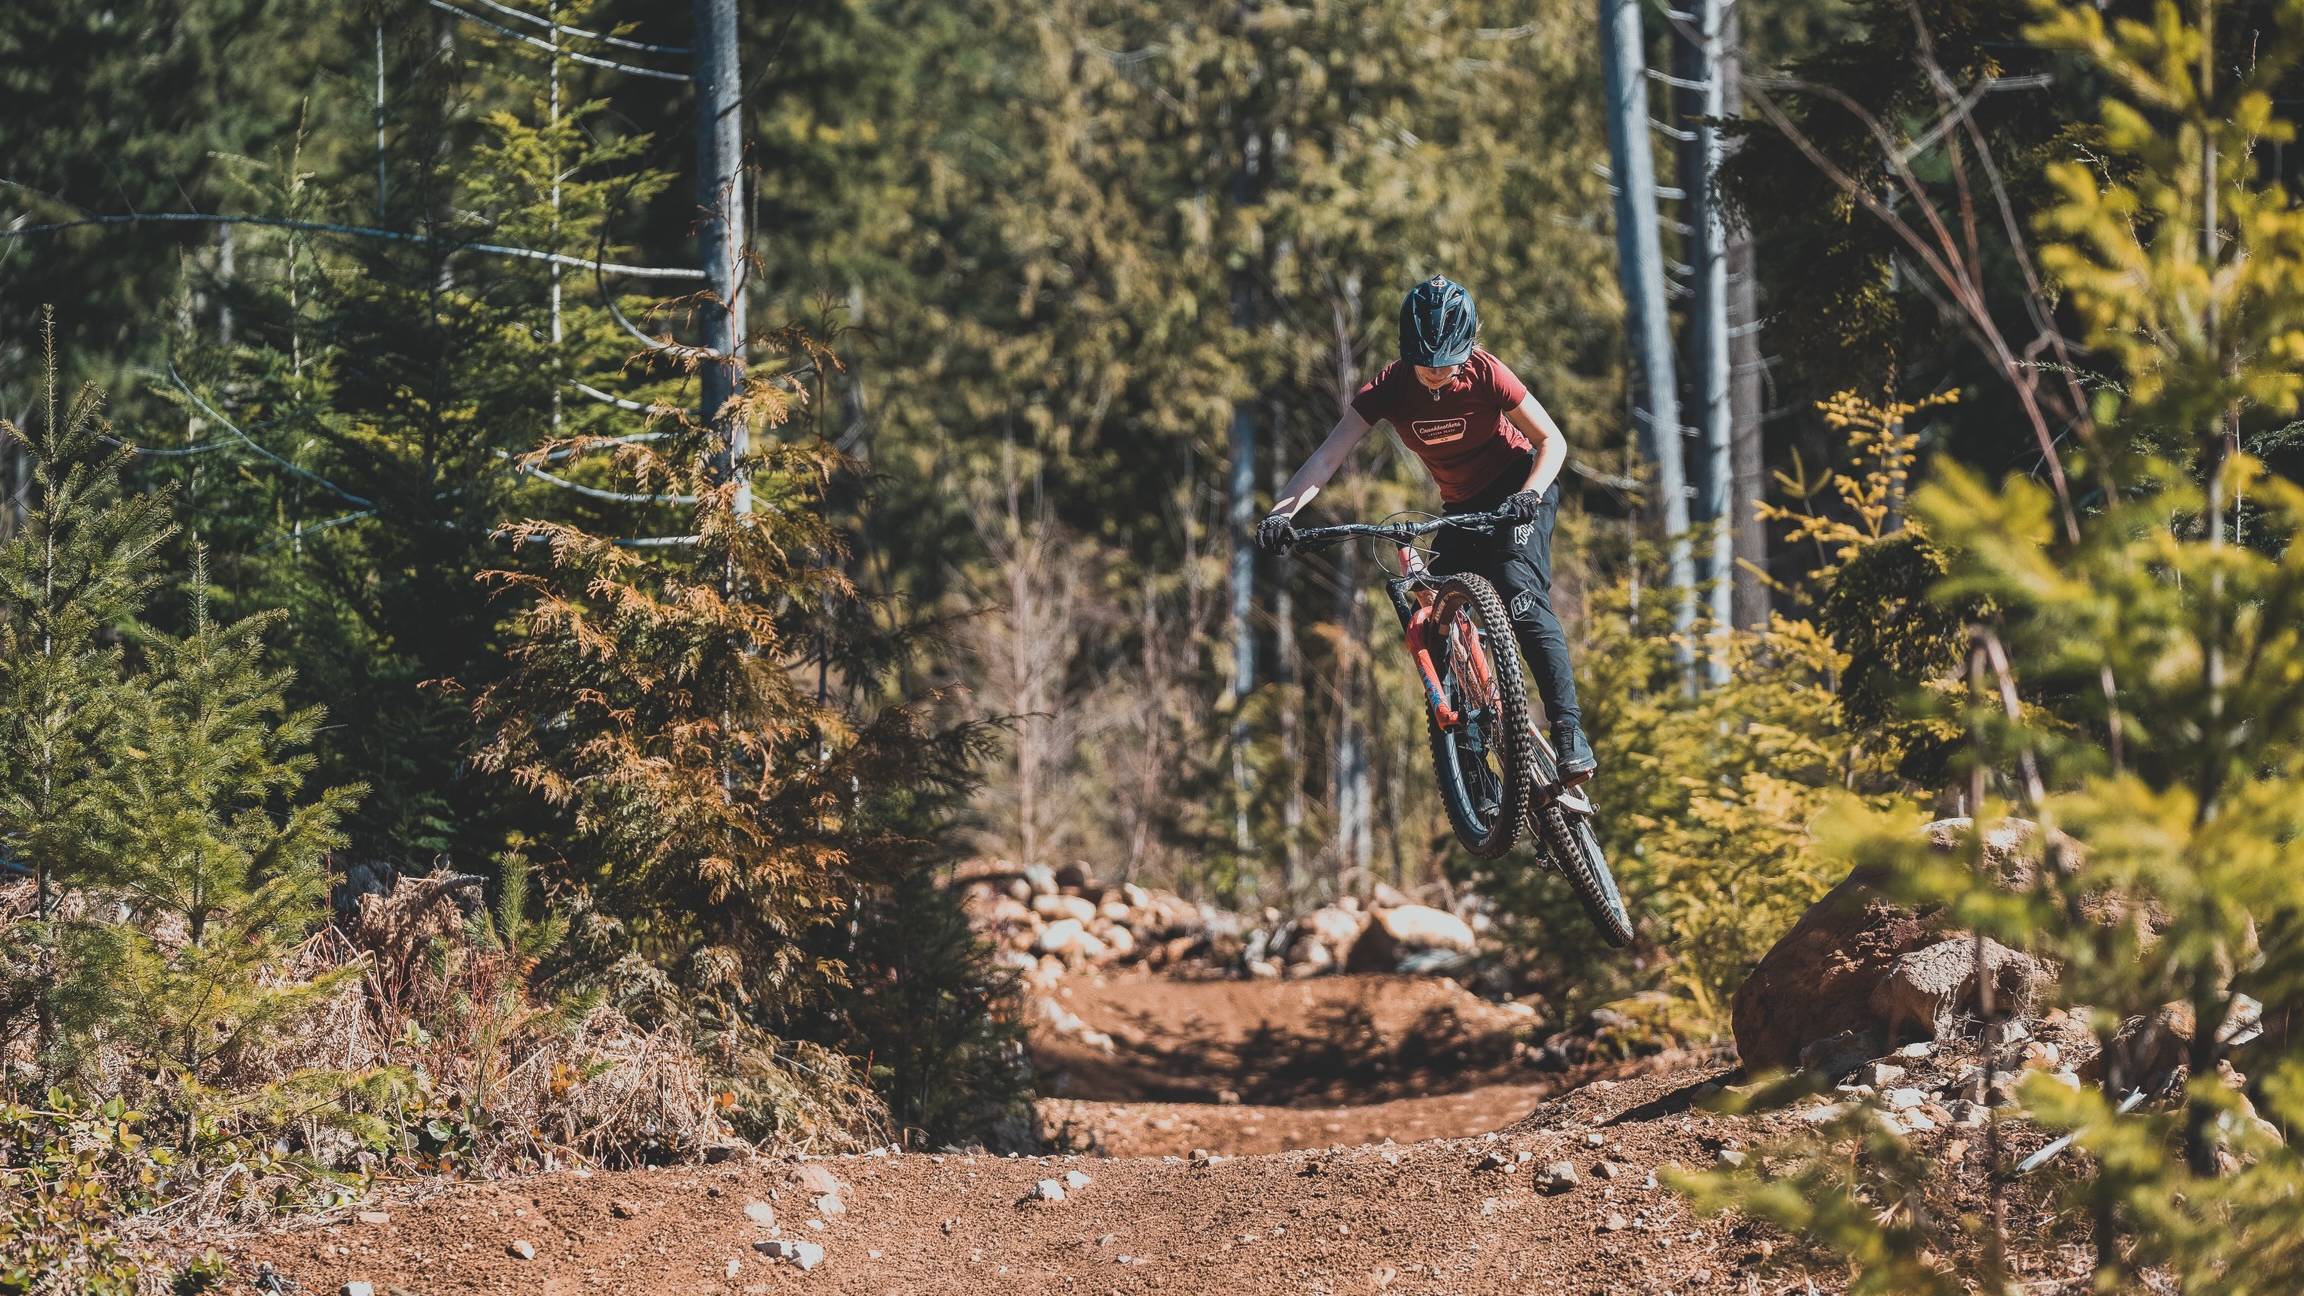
{"points": [[354, 231], [614, 496], [619, 402], [603, 37], [229, 426], [526, 39]]}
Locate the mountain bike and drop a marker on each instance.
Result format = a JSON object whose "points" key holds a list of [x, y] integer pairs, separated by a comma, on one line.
{"points": [[1497, 774]]}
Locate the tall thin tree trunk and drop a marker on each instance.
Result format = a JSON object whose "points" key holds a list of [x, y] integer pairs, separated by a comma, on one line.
{"points": [[1640, 268], [1697, 56], [720, 234], [1285, 668], [1746, 374], [1241, 499]]}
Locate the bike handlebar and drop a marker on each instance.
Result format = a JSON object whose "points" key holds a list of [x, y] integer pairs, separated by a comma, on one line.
{"points": [[1399, 532]]}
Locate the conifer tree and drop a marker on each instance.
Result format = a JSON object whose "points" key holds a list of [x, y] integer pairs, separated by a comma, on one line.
{"points": [[219, 858], [718, 805], [73, 576]]}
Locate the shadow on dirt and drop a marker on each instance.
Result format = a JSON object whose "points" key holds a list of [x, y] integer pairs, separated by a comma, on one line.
{"points": [[1350, 1041]]}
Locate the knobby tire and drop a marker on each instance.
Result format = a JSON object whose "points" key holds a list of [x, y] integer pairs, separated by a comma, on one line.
{"points": [[1474, 599]]}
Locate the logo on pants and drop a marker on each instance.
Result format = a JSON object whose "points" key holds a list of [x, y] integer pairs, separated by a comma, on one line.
{"points": [[1523, 603]]}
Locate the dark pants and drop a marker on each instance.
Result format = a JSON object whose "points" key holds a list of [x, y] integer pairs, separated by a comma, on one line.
{"points": [[1519, 564]]}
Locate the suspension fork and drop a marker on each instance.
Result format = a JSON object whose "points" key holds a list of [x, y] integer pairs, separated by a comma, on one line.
{"points": [[1416, 624]]}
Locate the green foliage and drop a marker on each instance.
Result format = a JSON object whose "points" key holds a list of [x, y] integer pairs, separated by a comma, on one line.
{"points": [[2137, 688], [198, 982], [936, 1017], [71, 1177], [73, 575], [1709, 803]]}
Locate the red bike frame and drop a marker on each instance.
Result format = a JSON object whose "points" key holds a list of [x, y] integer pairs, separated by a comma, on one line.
{"points": [[1412, 598]]}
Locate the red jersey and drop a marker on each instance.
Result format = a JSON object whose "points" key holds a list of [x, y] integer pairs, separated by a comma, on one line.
{"points": [[1460, 431]]}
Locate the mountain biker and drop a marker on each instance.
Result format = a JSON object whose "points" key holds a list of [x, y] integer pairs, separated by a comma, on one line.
{"points": [[1492, 449]]}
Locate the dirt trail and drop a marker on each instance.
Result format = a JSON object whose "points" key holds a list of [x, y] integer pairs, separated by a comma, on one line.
{"points": [[1453, 1205], [1241, 1067]]}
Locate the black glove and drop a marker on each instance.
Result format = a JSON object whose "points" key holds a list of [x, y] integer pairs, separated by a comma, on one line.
{"points": [[1276, 534], [1522, 508]]}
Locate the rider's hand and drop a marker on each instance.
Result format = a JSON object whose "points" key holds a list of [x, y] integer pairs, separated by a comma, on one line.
{"points": [[1276, 534], [1522, 508]]}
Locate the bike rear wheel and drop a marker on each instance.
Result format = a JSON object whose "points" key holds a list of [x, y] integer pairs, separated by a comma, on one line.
{"points": [[1482, 760]]}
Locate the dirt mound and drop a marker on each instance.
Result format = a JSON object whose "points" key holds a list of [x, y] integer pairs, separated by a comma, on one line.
{"points": [[1329, 1041], [1453, 1215]]}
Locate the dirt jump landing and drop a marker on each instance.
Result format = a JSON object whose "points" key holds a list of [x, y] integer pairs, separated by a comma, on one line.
{"points": [[1461, 1215]]}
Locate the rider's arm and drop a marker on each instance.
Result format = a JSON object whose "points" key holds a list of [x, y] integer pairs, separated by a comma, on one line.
{"points": [[1342, 440], [1544, 434]]}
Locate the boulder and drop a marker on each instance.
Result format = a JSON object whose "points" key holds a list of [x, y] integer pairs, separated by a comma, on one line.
{"points": [[1818, 980], [1936, 984], [2152, 1053], [1332, 925], [1398, 934], [1057, 907]]}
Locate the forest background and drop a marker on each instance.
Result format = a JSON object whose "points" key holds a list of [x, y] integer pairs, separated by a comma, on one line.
{"points": [[1017, 274]]}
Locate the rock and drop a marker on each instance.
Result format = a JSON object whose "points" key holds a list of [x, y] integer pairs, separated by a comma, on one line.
{"points": [[1904, 1099], [1607, 1170], [1040, 878], [1055, 907], [520, 1249], [807, 1255], [1818, 980], [830, 1204], [732, 1268], [1558, 1177], [2151, 1053], [1333, 926], [1397, 934], [1732, 1157], [1047, 1190], [1075, 1181], [1075, 876], [1615, 1223], [1879, 1075], [1836, 1055], [1822, 1114], [372, 1217], [760, 1213], [1263, 970], [357, 1289], [1120, 941], [2006, 1032], [775, 1248], [1070, 939], [1932, 986], [1916, 1050], [622, 1209], [1492, 1159]]}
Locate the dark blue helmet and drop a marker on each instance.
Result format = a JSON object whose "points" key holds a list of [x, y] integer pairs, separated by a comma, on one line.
{"points": [[1438, 323]]}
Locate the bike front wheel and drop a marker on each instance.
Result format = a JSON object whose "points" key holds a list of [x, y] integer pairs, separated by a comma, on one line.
{"points": [[1482, 760]]}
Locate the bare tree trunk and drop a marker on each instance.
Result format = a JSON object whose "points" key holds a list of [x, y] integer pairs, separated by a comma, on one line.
{"points": [[1241, 498], [1286, 666], [1748, 538], [720, 233], [1697, 58], [1640, 268]]}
